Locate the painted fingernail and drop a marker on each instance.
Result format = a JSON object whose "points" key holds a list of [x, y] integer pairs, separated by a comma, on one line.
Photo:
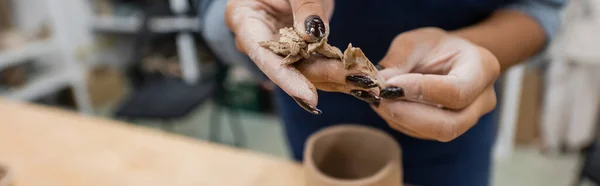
{"points": [[392, 92], [361, 81], [379, 67], [314, 26], [312, 109], [366, 96]]}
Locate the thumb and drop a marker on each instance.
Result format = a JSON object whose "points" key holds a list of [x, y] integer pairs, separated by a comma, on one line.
{"points": [[311, 19]]}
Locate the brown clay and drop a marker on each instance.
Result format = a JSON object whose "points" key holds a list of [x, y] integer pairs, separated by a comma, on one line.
{"points": [[356, 62], [5, 177], [352, 155], [294, 48]]}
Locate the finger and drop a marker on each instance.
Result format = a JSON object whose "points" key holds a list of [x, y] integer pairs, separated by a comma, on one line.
{"points": [[271, 12], [333, 87], [430, 88], [471, 72], [288, 78], [310, 18], [432, 122], [322, 70], [388, 73], [325, 70], [369, 95], [402, 128]]}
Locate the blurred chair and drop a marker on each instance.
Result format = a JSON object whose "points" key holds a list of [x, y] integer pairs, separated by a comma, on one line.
{"points": [[169, 99], [590, 166]]}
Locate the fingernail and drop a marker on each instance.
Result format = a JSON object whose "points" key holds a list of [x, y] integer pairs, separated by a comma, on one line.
{"points": [[379, 67], [361, 81], [392, 92], [366, 96], [315, 26], [312, 109]]}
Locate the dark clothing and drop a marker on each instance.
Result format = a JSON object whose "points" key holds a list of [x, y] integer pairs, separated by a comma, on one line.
{"points": [[372, 25]]}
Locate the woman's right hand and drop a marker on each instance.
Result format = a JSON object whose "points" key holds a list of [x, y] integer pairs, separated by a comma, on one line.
{"points": [[260, 20]]}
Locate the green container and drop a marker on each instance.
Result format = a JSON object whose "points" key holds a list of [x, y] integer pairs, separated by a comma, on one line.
{"points": [[244, 96]]}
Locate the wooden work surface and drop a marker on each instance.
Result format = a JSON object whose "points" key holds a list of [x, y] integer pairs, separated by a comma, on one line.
{"points": [[49, 147]]}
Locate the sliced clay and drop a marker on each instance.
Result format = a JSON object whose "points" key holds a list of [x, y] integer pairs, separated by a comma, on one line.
{"points": [[355, 62], [281, 48], [354, 58], [291, 59], [304, 53], [294, 48], [289, 35], [323, 48], [312, 47], [330, 51]]}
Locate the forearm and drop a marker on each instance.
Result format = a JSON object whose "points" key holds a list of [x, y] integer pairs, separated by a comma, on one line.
{"points": [[512, 36]]}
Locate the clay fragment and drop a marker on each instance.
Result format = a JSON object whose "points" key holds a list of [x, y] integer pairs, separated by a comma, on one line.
{"points": [[293, 48], [356, 62], [323, 48], [304, 53], [355, 57], [312, 47], [289, 35], [281, 48], [291, 59]]}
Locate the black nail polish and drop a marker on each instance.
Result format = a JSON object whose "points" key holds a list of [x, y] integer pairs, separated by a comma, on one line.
{"points": [[315, 26], [392, 92], [361, 81], [366, 96], [379, 67], [307, 107]]}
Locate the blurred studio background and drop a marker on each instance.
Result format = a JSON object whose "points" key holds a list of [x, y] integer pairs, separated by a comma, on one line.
{"points": [[156, 63]]}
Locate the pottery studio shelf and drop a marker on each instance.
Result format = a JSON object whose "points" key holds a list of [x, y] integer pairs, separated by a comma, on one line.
{"points": [[62, 70], [183, 25], [28, 51], [39, 85], [131, 24]]}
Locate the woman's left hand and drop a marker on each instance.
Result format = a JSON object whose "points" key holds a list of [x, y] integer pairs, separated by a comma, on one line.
{"points": [[438, 84]]}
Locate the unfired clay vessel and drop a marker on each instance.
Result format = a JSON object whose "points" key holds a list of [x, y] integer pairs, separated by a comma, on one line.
{"points": [[352, 155]]}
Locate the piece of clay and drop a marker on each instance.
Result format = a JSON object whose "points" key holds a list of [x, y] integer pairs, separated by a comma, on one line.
{"points": [[356, 62], [293, 48], [325, 49], [289, 35], [290, 45], [354, 57], [292, 51], [291, 59]]}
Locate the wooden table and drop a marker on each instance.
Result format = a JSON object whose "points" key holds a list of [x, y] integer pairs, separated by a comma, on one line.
{"points": [[50, 147]]}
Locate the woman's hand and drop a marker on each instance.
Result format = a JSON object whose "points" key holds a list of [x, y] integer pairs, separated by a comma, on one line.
{"points": [[438, 84], [260, 20]]}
